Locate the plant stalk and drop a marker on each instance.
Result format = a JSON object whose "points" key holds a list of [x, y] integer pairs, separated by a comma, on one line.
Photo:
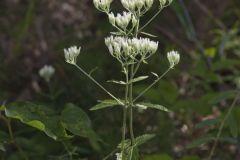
{"points": [[98, 84], [222, 125]]}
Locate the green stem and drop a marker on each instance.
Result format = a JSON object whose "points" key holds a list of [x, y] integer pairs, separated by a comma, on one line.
{"points": [[125, 112], [150, 86], [8, 122], [98, 84], [144, 26], [222, 125], [131, 107]]}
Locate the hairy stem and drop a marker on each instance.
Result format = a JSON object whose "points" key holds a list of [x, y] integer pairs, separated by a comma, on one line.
{"points": [[98, 84], [222, 125], [131, 107], [125, 112], [151, 85]]}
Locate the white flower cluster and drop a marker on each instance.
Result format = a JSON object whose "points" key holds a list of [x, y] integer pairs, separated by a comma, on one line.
{"points": [[173, 58], [46, 72], [103, 5], [125, 49], [123, 20], [71, 54], [137, 5], [119, 156]]}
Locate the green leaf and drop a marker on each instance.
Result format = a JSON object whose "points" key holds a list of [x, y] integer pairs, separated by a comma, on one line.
{"points": [[117, 82], [132, 153], [143, 139], [40, 117], [154, 106], [105, 104], [138, 79], [200, 141], [224, 64], [207, 123], [75, 120], [148, 34]]}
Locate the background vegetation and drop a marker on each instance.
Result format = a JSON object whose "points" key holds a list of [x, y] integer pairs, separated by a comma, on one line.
{"points": [[200, 91]]}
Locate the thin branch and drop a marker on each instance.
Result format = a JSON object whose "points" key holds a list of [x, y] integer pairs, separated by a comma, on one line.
{"points": [[222, 125], [150, 86], [98, 84]]}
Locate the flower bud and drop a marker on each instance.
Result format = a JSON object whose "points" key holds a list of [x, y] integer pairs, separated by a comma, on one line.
{"points": [[162, 3], [102, 5], [111, 18], [173, 58], [46, 72], [71, 54], [149, 3]]}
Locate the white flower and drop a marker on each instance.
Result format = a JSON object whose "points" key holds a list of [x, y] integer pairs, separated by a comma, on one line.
{"points": [[164, 3], [135, 5], [173, 58], [119, 156], [126, 49], [111, 18], [103, 5], [46, 72], [71, 54], [121, 21]]}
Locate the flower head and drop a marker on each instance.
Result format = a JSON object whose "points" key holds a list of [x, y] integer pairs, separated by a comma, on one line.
{"points": [[173, 58], [120, 20], [103, 5], [46, 72], [126, 49], [135, 5], [71, 54], [164, 3]]}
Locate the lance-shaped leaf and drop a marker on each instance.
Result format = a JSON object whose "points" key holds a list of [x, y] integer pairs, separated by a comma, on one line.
{"points": [[138, 79], [154, 106], [105, 104], [143, 139], [207, 123]]}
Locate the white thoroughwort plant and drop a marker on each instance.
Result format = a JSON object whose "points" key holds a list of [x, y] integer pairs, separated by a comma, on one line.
{"points": [[131, 51]]}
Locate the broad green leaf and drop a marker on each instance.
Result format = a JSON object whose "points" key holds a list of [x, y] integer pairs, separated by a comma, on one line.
{"points": [[105, 104], [143, 139], [207, 123], [200, 142], [117, 82], [75, 120], [38, 116], [148, 34], [158, 157], [138, 79], [154, 106]]}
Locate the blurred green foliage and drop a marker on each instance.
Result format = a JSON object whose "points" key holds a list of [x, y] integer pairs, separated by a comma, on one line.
{"points": [[198, 92]]}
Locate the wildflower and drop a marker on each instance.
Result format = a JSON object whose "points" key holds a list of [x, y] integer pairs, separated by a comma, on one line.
{"points": [[122, 21], [71, 54], [126, 49], [46, 72], [164, 3], [103, 5], [173, 58], [137, 5]]}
